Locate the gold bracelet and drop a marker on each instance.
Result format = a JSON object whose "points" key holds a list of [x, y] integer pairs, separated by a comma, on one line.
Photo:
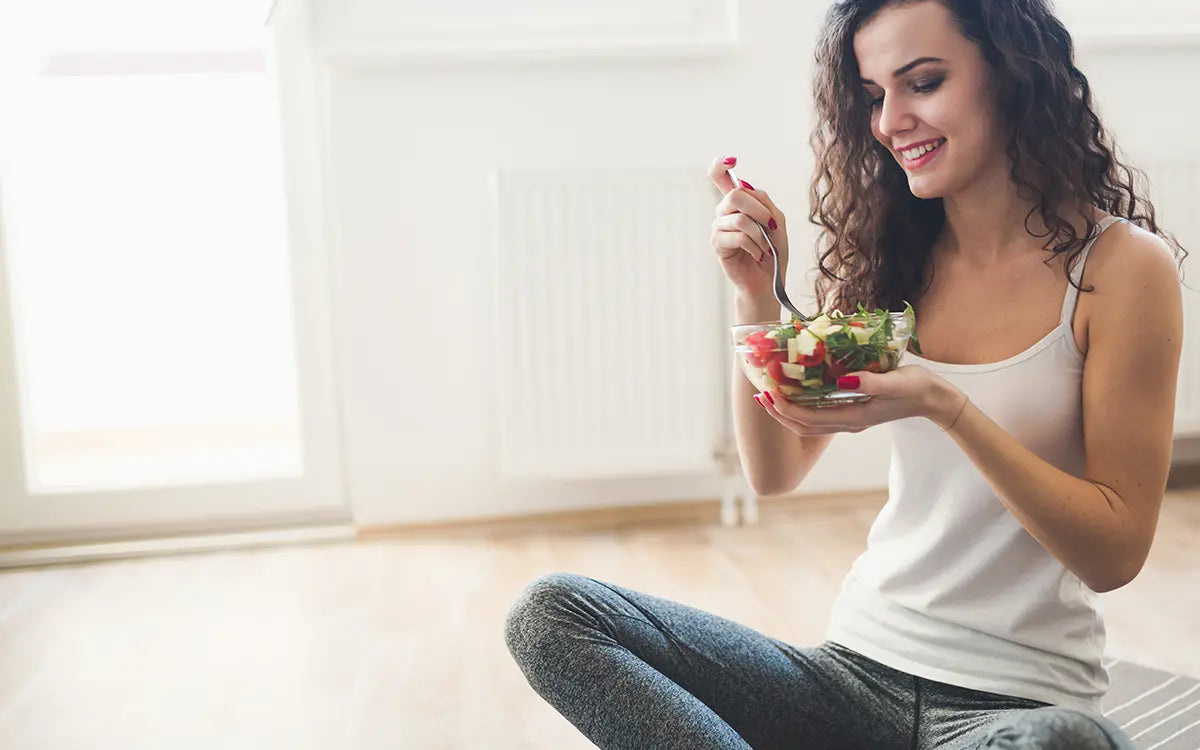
{"points": [[961, 409]]}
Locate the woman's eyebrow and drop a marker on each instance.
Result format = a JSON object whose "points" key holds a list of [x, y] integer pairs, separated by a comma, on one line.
{"points": [[905, 68]]}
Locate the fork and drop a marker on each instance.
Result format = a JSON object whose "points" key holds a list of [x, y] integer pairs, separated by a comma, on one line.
{"points": [[780, 292]]}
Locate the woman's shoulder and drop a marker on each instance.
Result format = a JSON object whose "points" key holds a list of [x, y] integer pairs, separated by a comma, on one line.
{"points": [[1135, 279], [1128, 257]]}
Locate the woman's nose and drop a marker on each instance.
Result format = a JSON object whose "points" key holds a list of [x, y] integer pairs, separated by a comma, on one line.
{"points": [[895, 117]]}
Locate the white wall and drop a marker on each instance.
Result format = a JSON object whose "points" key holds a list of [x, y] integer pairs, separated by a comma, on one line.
{"points": [[1087, 18], [418, 120]]}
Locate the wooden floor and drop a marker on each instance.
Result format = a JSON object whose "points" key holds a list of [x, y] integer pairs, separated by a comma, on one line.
{"points": [[397, 642]]}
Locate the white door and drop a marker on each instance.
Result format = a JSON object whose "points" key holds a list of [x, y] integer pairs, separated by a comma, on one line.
{"points": [[164, 337]]}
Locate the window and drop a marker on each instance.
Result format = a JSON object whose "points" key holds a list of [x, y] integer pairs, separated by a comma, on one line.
{"points": [[146, 245]]}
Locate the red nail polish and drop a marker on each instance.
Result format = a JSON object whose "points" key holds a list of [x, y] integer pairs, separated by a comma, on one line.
{"points": [[731, 161], [747, 185], [848, 382], [769, 397], [772, 225], [758, 401]]}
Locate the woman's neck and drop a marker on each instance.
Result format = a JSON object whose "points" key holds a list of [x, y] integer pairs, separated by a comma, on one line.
{"points": [[986, 224], [989, 224]]}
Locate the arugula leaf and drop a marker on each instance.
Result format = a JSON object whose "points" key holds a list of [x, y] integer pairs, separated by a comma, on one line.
{"points": [[879, 337], [783, 333], [910, 315]]}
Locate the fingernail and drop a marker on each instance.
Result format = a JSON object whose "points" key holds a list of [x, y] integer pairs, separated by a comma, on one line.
{"points": [[758, 401], [767, 395], [848, 382], [730, 161], [772, 225], [747, 185]]}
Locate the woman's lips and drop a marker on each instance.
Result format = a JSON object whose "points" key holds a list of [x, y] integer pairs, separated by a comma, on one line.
{"points": [[924, 158]]}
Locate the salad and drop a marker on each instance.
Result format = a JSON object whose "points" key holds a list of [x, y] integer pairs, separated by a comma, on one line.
{"points": [[804, 359]]}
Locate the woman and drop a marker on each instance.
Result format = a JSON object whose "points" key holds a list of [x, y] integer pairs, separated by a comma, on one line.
{"points": [[960, 166]]}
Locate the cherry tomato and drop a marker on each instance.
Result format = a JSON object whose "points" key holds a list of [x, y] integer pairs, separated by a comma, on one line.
{"points": [[775, 370], [817, 356]]}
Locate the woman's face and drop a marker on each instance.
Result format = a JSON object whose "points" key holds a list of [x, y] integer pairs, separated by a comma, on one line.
{"points": [[932, 107]]}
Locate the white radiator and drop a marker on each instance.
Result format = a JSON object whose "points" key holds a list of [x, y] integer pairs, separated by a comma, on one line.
{"points": [[1175, 191], [609, 314]]}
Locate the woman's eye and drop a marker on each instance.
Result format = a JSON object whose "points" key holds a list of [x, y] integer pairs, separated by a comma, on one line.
{"points": [[927, 86], [924, 86]]}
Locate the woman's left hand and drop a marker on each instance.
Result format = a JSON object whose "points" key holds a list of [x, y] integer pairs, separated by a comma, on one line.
{"points": [[909, 391]]}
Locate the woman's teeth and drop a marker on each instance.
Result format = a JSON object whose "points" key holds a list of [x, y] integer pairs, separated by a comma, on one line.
{"points": [[916, 153]]}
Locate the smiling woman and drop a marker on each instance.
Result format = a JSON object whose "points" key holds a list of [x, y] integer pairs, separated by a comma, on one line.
{"points": [[958, 98], [960, 166]]}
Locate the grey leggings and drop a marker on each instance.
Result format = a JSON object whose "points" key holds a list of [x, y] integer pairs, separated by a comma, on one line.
{"points": [[631, 670]]}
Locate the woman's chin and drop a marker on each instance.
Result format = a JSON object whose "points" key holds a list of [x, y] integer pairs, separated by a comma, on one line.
{"points": [[925, 188]]}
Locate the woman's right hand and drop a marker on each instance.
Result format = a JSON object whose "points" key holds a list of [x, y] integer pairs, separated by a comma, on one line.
{"points": [[744, 254]]}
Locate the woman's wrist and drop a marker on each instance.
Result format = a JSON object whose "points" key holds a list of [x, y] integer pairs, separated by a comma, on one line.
{"points": [[946, 405], [755, 309]]}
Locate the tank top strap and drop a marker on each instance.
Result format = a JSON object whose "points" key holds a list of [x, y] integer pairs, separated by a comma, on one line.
{"points": [[1072, 296]]}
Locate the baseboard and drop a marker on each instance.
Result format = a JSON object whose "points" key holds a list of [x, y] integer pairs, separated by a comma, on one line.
{"points": [[1186, 450], [700, 511], [17, 557], [1184, 476]]}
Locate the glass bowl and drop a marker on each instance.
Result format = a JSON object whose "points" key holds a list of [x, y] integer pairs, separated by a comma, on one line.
{"points": [[804, 360]]}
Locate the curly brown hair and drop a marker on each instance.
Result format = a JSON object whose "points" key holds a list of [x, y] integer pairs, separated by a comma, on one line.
{"points": [[877, 237]]}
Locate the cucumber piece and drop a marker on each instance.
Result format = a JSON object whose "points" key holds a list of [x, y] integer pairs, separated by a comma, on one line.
{"points": [[793, 371]]}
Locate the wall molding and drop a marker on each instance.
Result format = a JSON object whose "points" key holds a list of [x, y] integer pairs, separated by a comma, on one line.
{"points": [[1141, 39], [369, 53], [447, 54], [374, 33]]}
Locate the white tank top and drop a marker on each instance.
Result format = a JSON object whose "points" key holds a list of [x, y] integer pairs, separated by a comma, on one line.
{"points": [[951, 587]]}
